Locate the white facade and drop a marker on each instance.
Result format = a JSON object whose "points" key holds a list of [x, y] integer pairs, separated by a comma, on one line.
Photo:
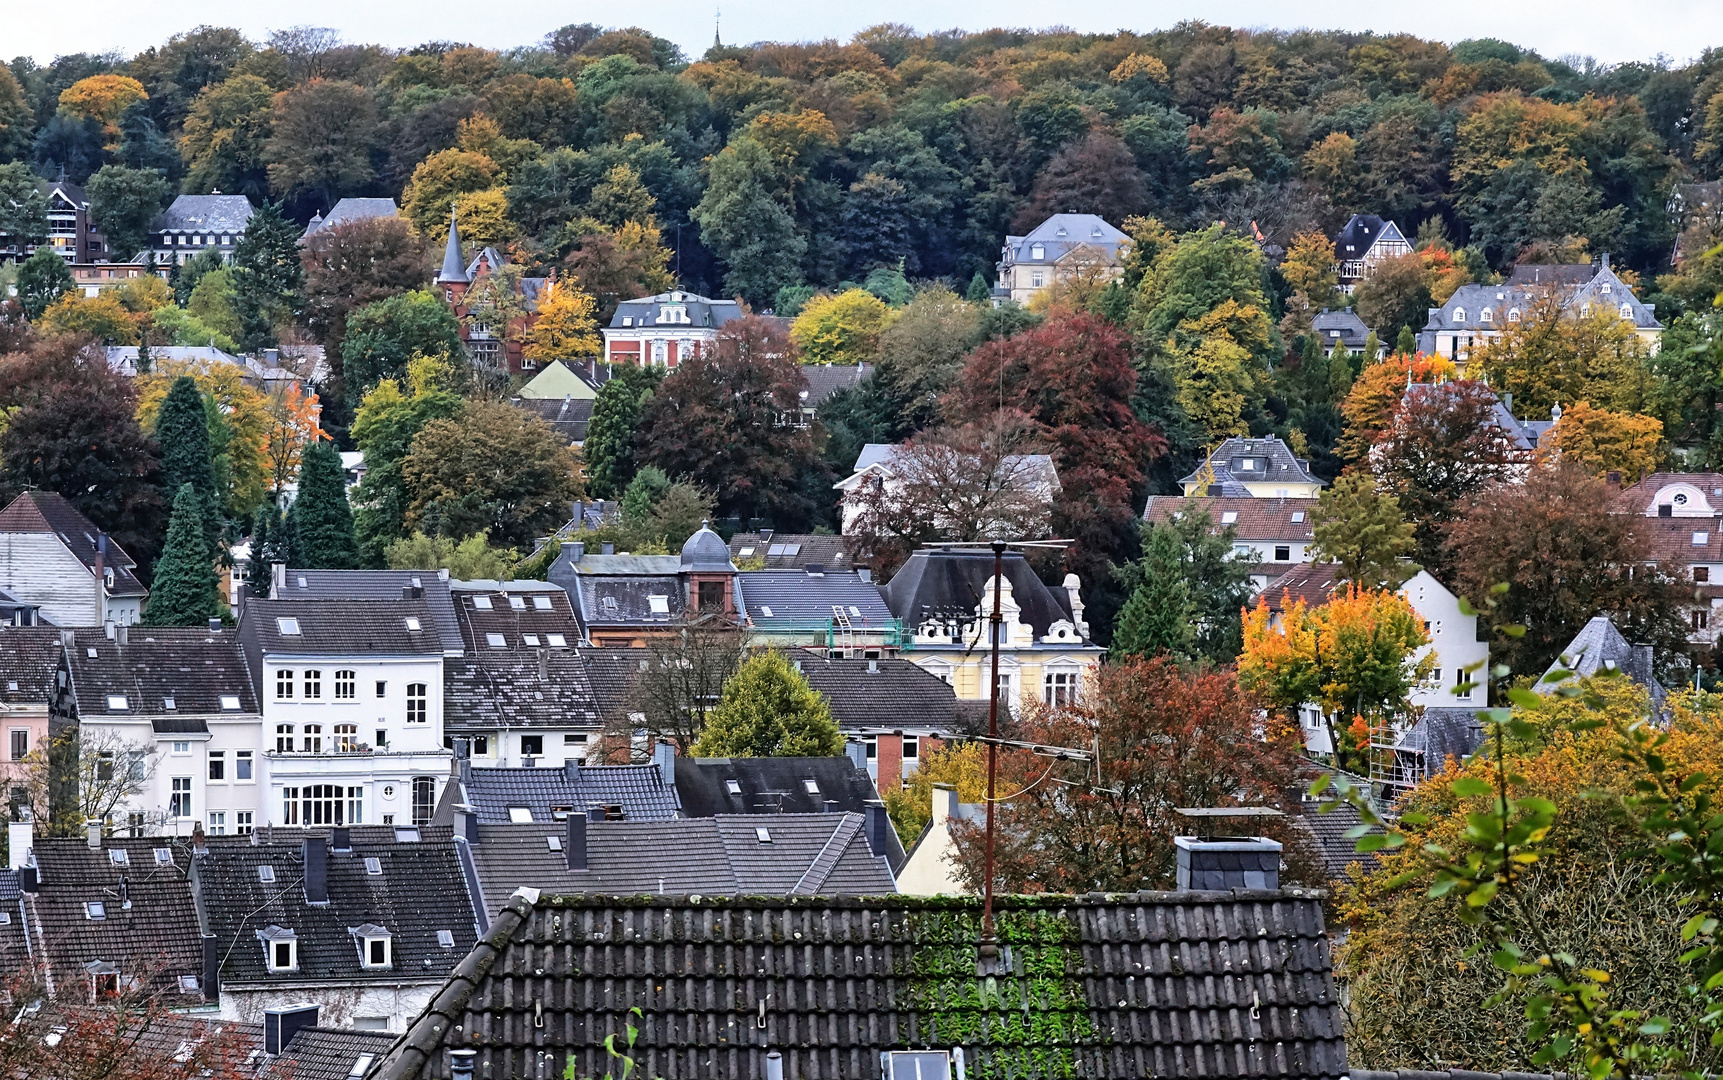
{"points": [[364, 1007], [1453, 643], [931, 868], [37, 568], [187, 777]]}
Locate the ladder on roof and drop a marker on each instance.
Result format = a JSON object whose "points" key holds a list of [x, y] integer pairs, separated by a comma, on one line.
{"points": [[843, 637]]}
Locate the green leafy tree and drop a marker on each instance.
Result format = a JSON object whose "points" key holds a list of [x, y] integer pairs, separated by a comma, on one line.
{"points": [[269, 545], [1406, 342], [320, 519], [743, 221], [321, 136], [124, 202], [1362, 529], [381, 336], [1218, 581], [184, 590], [225, 137], [182, 432], [267, 275], [23, 206], [383, 429], [767, 709], [609, 446], [1159, 618], [42, 279], [471, 559]]}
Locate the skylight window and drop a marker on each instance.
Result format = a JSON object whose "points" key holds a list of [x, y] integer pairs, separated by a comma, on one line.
{"points": [[164, 856], [119, 857], [1297, 517], [520, 815], [554, 843], [287, 627], [812, 786], [230, 703], [483, 603], [541, 603], [530, 640], [766, 610], [659, 605], [188, 984], [607, 603], [266, 874], [362, 1063], [518, 603], [763, 835], [1229, 517], [167, 704], [446, 938], [412, 622], [302, 581], [373, 865], [11, 684], [409, 835], [745, 553], [495, 641], [117, 703], [734, 787], [557, 641], [95, 909], [1700, 539], [92, 652]]}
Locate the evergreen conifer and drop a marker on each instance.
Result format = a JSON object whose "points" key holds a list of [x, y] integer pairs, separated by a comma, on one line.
{"points": [[979, 291], [1158, 618], [184, 590], [1407, 342], [182, 432], [320, 519]]}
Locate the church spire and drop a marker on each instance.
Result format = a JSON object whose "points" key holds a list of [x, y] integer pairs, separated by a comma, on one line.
{"points": [[454, 267], [718, 42]]}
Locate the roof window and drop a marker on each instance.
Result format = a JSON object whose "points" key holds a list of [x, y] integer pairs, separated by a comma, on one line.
{"points": [[734, 787], [11, 684], [745, 553], [362, 1063], [412, 622], [518, 603], [230, 703], [520, 815], [763, 834], [164, 856], [375, 946], [812, 786], [118, 857], [117, 703], [608, 605], [288, 627], [446, 938], [280, 948], [1229, 517], [659, 605], [557, 641], [530, 639], [408, 835], [373, 865], [266, 874], [495, 641], [483, 603], [541, 603], [167, 704], [554, 843], [302, 581], [92, 652], [95, 909], [766, 610], [1297, 516], [1700, 539]]}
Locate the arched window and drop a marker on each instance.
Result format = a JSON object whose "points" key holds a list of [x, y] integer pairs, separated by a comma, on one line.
{"points": [[1627, 312], [1486, 315], [424, 798], [1459, 315], [1514, 314]]}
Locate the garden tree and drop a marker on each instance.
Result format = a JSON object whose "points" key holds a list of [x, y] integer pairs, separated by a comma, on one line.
{"points": [[1396, 295], [1309, 268], [658, 513], [267, 274], [354, 264], [608, 451], [101, 318], [1369, 404], [320, 142], [1360, 528], [291, 423], [744, 221], [381, 336], [977, 482], [226, 135], [841, 329], [104, 99], [387, 422], [491, 468], [1602, 442], [1168, 739], [212, 302], [1565, 557], [320, 521], [1095, 175], [124, 202], [719, 421], [183, 592], [960, 765], [1159, 619], [72, 428], [1406, 343], [564, 328], [42, 278], [1216, 579], [23, 206], [182, 433], [468, 560], [767, 709], [613, 265], [170, 325], [1072, 377], [1352, 656], [16, 118], [144, 294], [921, 355], [1550, 357], [1441, 446], [683, 674]]}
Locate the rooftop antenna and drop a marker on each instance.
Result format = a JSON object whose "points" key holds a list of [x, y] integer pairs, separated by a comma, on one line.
{"points": [[717, 19]]}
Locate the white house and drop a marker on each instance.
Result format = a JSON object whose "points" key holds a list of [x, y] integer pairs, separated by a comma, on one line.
{"points": [[1060, 248], [930, 868], [54, 558], [195, 224]]}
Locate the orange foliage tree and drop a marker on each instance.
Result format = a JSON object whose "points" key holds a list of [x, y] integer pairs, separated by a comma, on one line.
{"points": [[294, 424], [1377, 391]]}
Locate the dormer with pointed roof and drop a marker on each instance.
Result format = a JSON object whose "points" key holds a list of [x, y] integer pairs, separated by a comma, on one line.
{"points": [[454, 270]]}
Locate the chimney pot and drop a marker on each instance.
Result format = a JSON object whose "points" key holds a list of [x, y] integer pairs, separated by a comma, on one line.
{"points": [[340, 838], [664, 756], [607, 547], [467, 822], [571, 769], [461, 1064], [215, 626]]}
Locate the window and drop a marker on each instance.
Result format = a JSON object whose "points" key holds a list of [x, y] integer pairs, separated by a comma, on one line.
{"points": [[1486, 315], [167, 704], [1459, 315], [117, 703], [532, 745], [763, 834], [1627, 312], [1463, 689], [1283, 553], [20, 743], [283, 685], [711, 596], [118, 857], [541, 603], [1060, 688], [812, 787], [520, 815], [373, 865], [1700, 539], [95, 909], [283, 954], [321, 804], [517, 603], [287, 627], [446, 938], [1701, 619], [376, 953], [911, 747], [530, 640], [734, 787], [218, 765], [1585, 311], [416, 703], [557, 641], [424, 798], [266, 874], [242, 764], [230, 703], [412, 622], [1229, 517], [1038, 252], [382, 738], [495, 641], [382, 688], [182, 748], [242, 823], [179, 803], [1297, 517], [217, 823], [1514, 314], [284, 738], [344, 685], [355, 805], [658, 605], [1700, 573]]}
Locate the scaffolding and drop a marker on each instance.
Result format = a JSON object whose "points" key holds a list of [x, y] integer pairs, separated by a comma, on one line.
{"points": [[1396, 758]]}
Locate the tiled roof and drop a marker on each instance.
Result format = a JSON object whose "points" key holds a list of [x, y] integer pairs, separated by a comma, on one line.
{"points": [[774, 786], [49, 512], [512, 609], [1636, 498], [518, 689], [803, 855], [319, 1053], [639, 789], [342, 628], [1361, 233], [1149, 984], [804, 598], [824, 380], [630, 600], [1252, 519], [158, 933], [1312, 583], [888, 694], [1343, 327], [14, 951], [1577, 286], [791, 551], [567, 416], [28, 657], [937, 583], [1600, 647], [613, 674], [648, 311], [1680, 540], [419, 892], [379, 585], [1061, 233], [1337, 850], [193, 668], [205, 213], [1282, 466], [1444, 733]]}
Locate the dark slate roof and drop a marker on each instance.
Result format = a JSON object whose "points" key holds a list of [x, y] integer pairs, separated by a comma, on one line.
{"points": [[49, 512], [513, 609], [158, 933], [1361, 233], [1252, 518], [777, 786], [28, 657], [890, 694], [1599, 648], [627, 600], [1444, 733], [824, 380], [320, 1053], [805, 855], [14, 951], [420, 891], [518, 689], [567, 416], [941, 584], [1145, 984], [806, 597], [791, 551], [195, 668], [379, 585], [205, 213], [614, 673], [702, 312], [1342, 327], [349, 210], [1337, 850], [341, 628], [1062, 233], [639, 789], [1595, 284], [1283, 464]]}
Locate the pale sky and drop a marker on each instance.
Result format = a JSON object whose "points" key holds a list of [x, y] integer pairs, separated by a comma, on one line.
{"points": [[1608, 30]]}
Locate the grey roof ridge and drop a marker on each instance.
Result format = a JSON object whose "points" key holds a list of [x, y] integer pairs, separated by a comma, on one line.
{"points": [[829, 856], [425, 1034]]}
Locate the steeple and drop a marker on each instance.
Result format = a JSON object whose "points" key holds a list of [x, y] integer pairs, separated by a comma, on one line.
{"points": [[454, 267]]}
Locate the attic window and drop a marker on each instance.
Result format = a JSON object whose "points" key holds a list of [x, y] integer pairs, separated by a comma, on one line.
{"points": [[412, 622], [446, 938], [95, 909], [530, 639], [5, 918], [745, 553], [280, 948], [608, 605], [734, 787], [266, 874], [1700, 539], [812, 786], [517, 603], [164, 856], [375, 948], [541, 603], [495, 641], [1297, 516], [362, 1063], [188, 984], [659, 605], [302, 581], [1229, 517], [12, 684], [554, 843], [119, 857], [520, 815], [373, 865], [483, 603], [167, 704], [766, 610], [763, 834], [557, 641], [117, 703], [92, 652], [408, 835], [230, 703]]}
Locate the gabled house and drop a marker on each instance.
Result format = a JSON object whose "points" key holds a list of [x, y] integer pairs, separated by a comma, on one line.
{"points": [[1600, 648], [1261, 468], [53, 557], [72, 232], [838, 611], [880, 465], [29, 659], [712, 787], [560, 398], [1365, 241], [930, 867], [522, 796], [195, 224], [626, 600], [366, 929], [665, 329], [1060, 248], [1333, 329], [431, 586], [1677, 525], [492, 346], [892, 710], [1234, 983], [1272, 534]]}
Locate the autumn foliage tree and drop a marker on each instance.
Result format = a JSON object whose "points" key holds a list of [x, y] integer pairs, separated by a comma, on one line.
{"points": [[493, 469], [564, 329], [1370, 402], [1603, 442]]}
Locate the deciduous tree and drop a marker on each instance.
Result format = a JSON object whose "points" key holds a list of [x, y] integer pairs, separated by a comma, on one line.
{"points": [[1603, 442], [1556, 357], [101, 318], [767, 709], [609, 447], [226, 136], [387, 422], [382, 336], [841, 329], [491, 469], [354, 264], [124, 203], [42, 279], [321, 136], [565, 327], [1360, 528], [23, 206]]}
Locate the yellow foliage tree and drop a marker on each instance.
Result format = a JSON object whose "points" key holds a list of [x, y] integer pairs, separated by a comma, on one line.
{"points": [[144, 294], [1309, 268], [1553, 356], [437, 182], [103, 98], [1602, 441], [294, 423], [102, 317], [565, 326], [959, 765], [841, 329], [1141, 65], [238, 426], [484, 218]]}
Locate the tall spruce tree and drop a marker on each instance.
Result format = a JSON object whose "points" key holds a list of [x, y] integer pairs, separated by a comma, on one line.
{"points": [[320, 519], [182, 432], [609, 446], [267, 274], [184, 590], [269, 545], [1159, 618]]}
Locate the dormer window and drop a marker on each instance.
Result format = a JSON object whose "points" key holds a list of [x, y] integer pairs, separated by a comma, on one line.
{"points": [[280, 948], [1038, 252], [1627, 312], [1459, 315], [1486, 315], [1514, 314], [375, 946]]}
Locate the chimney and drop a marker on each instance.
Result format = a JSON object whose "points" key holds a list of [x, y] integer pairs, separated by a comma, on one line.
{"points": [[857, 753], [574, 842], [774, 1066], [30, 879], [101, 577], [120, 634], [108, 628], [93, 830], [466, 770], [944, 805], [20, 838], [571, 770], [199, 842], [878, 829], [664, 756], [597, 812], [607, 547], [461, 1064], [215, 626], [467, 822], [1224, 863], [340, 838], [543, 666], [211, 968], [573, 550], [281, 1024], [277, 580], [316, 871]]}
